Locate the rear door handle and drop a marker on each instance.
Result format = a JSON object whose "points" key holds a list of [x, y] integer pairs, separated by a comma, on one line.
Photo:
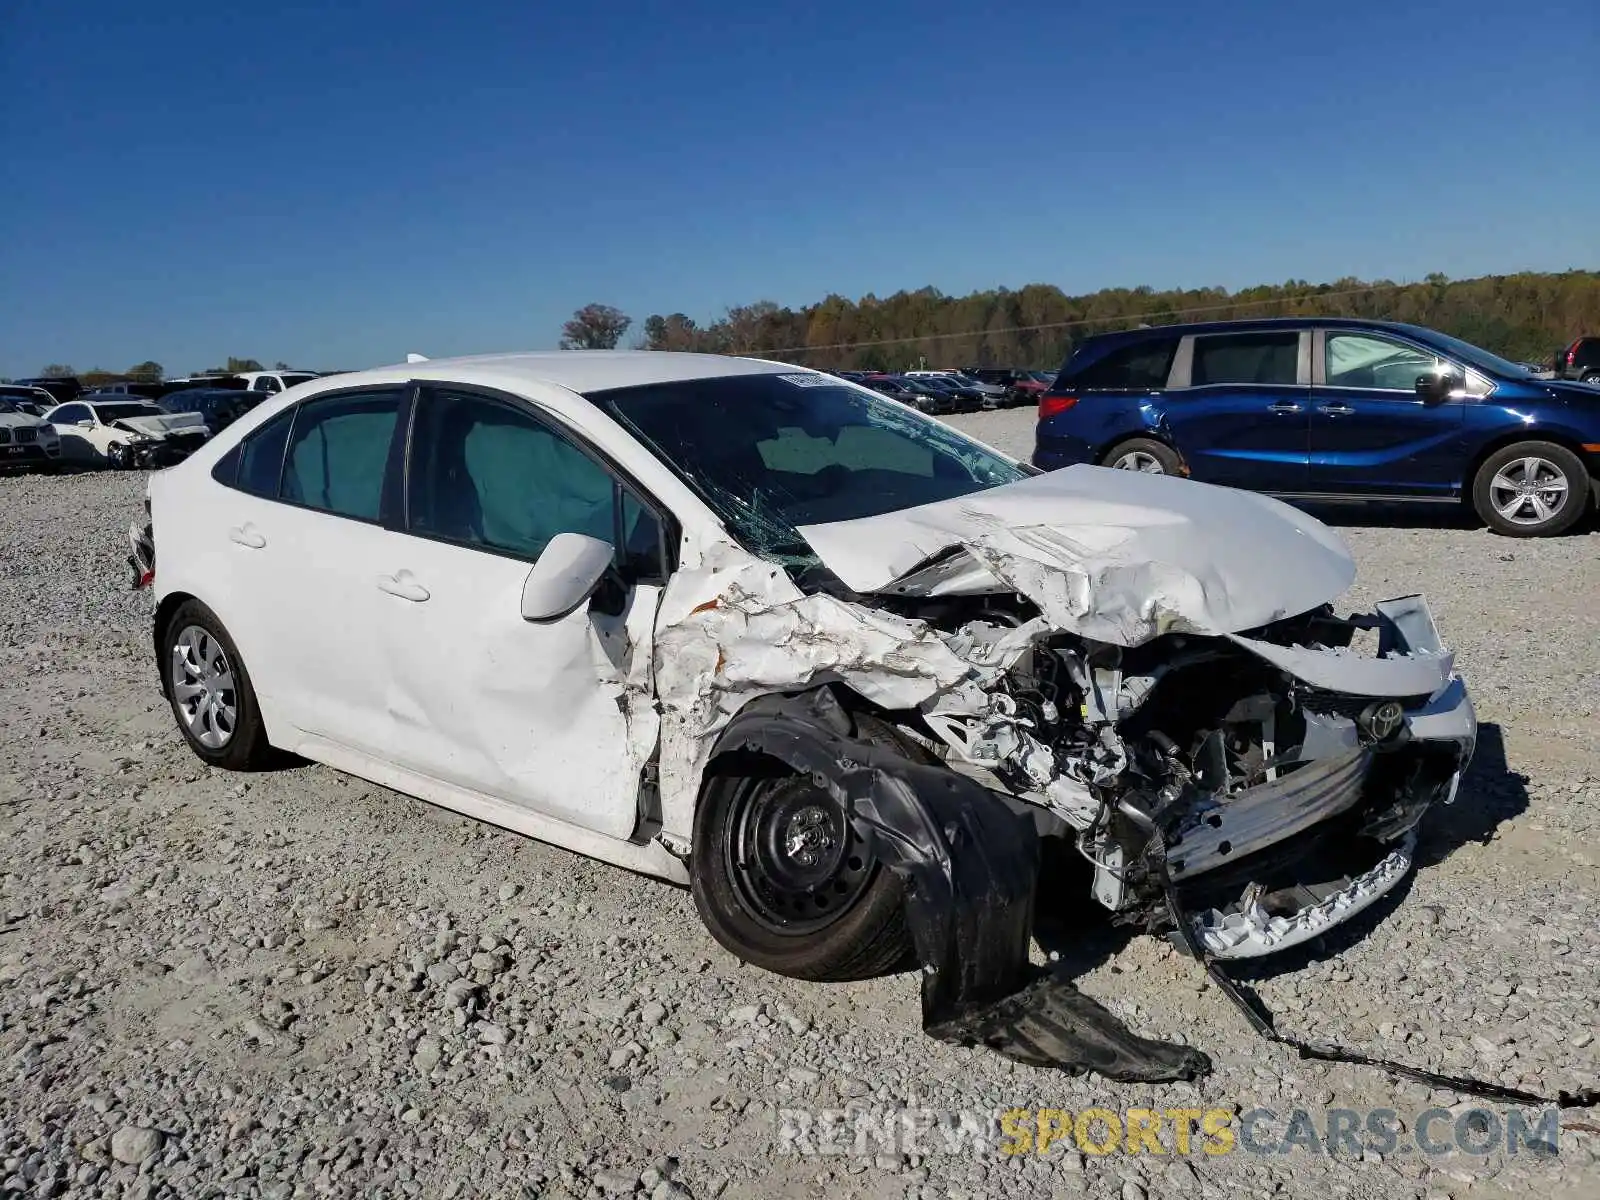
{"points": [[403, 585], [246, 535], [1336, 410], [1283, 408]]}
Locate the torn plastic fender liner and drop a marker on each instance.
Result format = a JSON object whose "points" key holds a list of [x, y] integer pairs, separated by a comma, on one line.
{"points": [[970, 866]]}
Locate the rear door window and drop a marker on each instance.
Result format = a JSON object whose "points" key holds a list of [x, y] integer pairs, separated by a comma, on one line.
{"points": [[1142, 366], [1264, 358], [338, 453], [260, 458]]}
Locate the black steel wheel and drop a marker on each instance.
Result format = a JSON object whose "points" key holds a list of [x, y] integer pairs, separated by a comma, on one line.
{"points": [[794, 860], [782, 880]]}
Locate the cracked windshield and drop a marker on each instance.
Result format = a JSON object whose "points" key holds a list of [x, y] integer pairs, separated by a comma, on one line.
{"points": [[770, 453]]}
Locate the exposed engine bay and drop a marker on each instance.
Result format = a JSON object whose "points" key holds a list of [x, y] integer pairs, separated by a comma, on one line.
{"points": [[1286, 799]]}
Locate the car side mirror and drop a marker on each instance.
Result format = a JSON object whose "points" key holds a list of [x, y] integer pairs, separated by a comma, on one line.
{"points": [[569, 571], [1436, 388]]}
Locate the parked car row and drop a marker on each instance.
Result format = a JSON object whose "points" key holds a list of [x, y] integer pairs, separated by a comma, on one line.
{"points": [[117, 431], [1335, 410], [950, 391], [52, 420]]}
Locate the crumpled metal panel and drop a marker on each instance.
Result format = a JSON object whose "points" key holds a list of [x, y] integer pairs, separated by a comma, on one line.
{"points": [[735, 627], [1116, 556], [1411, 661]]}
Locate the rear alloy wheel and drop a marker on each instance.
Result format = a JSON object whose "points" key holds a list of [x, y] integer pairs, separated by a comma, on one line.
{"points": [[1531, 489], [1145, 455], [209, 689]]}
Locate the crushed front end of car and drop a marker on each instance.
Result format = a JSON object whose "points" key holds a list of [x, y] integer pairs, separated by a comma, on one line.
{"points": [[149, 443], [1159, 662], [1284, 771]]}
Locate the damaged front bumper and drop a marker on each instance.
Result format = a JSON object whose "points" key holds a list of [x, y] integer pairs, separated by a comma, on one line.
{"points": [[1363, 793], [1284, 771], [136, 453]]}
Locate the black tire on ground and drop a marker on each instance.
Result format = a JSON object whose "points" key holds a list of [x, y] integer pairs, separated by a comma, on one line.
{"points": [[1591, 377], [1573, 499], [245, 747], [1162, 453], [866, 936]]}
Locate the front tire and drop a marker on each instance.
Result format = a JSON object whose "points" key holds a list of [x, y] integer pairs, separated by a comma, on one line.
{"points": [[1531, 489], [209, 690], [1144, 454], [782, 880]]}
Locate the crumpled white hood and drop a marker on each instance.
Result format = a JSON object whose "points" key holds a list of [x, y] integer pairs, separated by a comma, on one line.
{"points": [[159, 427], [1117, 556]]}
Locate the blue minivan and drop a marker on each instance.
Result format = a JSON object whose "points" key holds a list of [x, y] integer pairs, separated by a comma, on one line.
{"points": [[1330, 409]]}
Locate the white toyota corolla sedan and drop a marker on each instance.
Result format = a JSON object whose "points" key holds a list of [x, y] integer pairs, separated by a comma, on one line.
{"points": [[841, 669]]}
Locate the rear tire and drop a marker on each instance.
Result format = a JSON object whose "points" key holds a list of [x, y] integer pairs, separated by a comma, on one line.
{"points": [[208, 687], [1531, 489], [1591, 377], [754, 903], [1148, 455]]}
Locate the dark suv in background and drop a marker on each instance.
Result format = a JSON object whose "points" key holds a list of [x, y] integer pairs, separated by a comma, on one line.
{"points": [[65, 388], [1581, 360], [1329, 409]]}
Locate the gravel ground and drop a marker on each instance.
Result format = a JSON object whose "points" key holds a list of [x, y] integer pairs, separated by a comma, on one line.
{"points": [[298, 984]]}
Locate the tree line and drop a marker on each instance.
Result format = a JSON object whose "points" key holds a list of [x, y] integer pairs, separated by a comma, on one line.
{"points": [[1525, 317], [150, 371]]}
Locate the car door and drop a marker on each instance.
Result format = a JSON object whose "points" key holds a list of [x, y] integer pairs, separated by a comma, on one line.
{"points": [[1372, 434], [1236, 407], [556, 717], [302, 541], [74, 422]]}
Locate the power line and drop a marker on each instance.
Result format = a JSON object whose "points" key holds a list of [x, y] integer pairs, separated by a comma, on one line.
{"points": [[1164, 312]]}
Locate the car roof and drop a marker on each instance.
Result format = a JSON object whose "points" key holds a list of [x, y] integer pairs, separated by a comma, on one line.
{"points": [[1259, 324], [580, 371]]}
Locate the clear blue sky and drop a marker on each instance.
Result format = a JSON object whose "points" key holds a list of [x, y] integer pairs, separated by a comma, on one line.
{"points": [[336, 184]]}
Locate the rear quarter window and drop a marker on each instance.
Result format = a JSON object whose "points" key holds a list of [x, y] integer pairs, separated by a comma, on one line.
{"points": [[1139, 366]]}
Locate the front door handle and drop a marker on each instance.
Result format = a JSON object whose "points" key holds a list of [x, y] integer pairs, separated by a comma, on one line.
{"points": [[246, 535], [1283, 408], [1336, 410], [403, 585]]}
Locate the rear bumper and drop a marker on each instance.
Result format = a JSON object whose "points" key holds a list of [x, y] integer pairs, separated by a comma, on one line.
{"points": [[1052, 451]]}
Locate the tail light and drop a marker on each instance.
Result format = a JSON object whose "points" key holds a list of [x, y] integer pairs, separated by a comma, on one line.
{"points": [[1054, 405], [1572, 352]]}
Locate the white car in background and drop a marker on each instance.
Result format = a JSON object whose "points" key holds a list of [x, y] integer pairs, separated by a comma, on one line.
{"points": [[26, 440], [273, 382], [763, 632], [125, 433]]}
